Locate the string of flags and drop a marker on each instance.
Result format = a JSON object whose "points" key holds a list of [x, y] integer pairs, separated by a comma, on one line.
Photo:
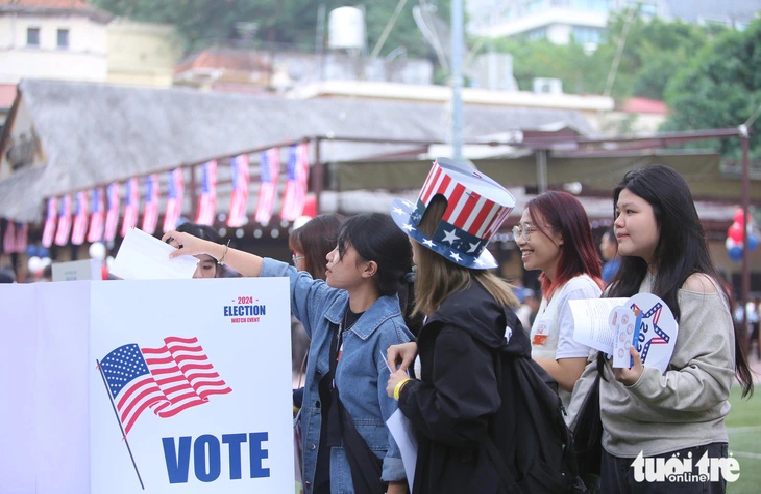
{"points": [[95, 215]]}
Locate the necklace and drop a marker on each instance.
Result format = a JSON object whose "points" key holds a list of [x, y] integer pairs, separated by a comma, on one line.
{"points": [[346, 326]]}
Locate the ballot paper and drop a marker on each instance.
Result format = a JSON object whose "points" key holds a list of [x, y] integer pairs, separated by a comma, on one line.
{"points": [[143, 257], [612, 325], [404, 435], [591, 321]]}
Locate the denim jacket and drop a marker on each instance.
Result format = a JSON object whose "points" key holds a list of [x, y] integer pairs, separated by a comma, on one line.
{"points": [[361, 375]]}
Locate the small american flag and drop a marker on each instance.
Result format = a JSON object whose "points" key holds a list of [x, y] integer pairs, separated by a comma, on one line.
{"points": [[168, 380], [131, 205], [9, 237], [81, 215], [112, 212], [239, 192], [173, 199], [64, 221], [22, 236], [297, 182], [207, 204], [15, 237], [269, 169], [97, 217], [50, 220], [151, 212]]}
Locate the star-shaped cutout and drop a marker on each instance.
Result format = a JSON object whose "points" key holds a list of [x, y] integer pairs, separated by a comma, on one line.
{"points": [[450, 236], [408, 227], [455, 255], [428, 243], [473, 247], [397, 211], [479, 261], [407, 203]]}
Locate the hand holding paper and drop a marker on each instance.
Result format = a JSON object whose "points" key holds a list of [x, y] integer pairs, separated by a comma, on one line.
{"points": [[612, 325], [143, 257]]}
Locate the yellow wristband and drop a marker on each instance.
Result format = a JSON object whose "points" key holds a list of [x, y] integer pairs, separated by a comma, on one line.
{"points": [[398, 387]]}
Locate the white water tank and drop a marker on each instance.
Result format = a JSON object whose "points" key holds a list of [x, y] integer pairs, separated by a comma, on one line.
{"points": [[346, 28]]}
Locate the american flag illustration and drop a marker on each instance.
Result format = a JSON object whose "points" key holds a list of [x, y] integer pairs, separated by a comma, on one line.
{"points": [[81, 216], [151, 211], [64, 221], [239, 192], [50, 221], [207, 203], [173, 199], [131, 205], [112, 212], [269, 169], [97, 217], [168, 379], [297, 182]]}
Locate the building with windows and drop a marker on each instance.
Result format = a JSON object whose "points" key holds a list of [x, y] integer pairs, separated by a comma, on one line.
{"points": [[52, 39], [585, 21]]}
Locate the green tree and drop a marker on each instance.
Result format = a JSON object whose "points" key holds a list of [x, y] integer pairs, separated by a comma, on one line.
{"points": [[653, 52], [580, 73], [720, 88], [202, 22]]}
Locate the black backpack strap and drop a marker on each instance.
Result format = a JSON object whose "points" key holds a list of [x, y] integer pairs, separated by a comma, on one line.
{"points": [[505, 477]]}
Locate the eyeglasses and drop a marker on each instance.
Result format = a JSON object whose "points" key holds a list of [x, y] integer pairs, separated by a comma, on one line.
{"points": [[524, 230], [296, 259]]}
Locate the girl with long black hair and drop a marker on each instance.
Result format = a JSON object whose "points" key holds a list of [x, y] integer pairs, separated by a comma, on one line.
{"points": [[681, 412], [352, 318]]}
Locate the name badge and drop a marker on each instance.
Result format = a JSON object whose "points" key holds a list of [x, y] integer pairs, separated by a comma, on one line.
{"points": [[540, 336]]}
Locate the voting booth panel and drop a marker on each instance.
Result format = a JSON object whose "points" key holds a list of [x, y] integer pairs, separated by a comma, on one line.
{"points": [[167, 386]]}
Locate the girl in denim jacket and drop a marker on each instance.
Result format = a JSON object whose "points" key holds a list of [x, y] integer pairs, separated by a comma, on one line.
{"points": [[354, 314]]}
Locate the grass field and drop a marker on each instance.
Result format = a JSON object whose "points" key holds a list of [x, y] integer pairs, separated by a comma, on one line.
{"points": [[744, 425]]}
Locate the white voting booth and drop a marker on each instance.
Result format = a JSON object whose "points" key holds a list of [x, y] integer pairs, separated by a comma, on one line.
{"points": [[199, 372]]}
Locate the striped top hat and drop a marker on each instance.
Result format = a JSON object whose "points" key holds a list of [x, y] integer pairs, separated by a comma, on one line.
{"points": [[476, 207]]}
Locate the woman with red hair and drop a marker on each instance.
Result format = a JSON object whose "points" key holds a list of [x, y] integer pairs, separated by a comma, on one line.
{"points": [[555, 238]]}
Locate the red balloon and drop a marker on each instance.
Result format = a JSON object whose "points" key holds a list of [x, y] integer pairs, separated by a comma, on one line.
{"points": [[735, 232], [738, 216]]}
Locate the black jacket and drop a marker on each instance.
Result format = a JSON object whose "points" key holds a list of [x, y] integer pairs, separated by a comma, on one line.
{"points": [[453, 405]]}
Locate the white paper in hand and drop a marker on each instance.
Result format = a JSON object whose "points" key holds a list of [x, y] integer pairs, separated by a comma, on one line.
{"points": [[404, 435], [623, 323], [143, 257]]}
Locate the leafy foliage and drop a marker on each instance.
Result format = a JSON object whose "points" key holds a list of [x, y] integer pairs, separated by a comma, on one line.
{"points": [[720, 88], [292, 22], [653, 52]]}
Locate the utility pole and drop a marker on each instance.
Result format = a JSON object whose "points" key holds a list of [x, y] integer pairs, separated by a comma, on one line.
{"points": [[457, 40]]}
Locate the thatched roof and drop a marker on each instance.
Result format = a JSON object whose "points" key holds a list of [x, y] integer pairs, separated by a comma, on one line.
{"points": [[94, 134]]}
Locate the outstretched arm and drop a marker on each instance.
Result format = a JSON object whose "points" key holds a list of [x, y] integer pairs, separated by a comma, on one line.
{"points": [[249, 265]]}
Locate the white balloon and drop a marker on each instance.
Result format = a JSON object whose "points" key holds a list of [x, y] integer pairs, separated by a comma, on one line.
{"points": [[46, 261], [109, 262], [34, 265], [98, 251]]}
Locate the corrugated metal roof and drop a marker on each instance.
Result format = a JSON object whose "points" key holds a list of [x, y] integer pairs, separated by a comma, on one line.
{"points": [[94, 134]]}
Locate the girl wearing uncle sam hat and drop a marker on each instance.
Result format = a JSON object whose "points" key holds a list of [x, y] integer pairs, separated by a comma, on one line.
{"points": [[454, 401]]}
